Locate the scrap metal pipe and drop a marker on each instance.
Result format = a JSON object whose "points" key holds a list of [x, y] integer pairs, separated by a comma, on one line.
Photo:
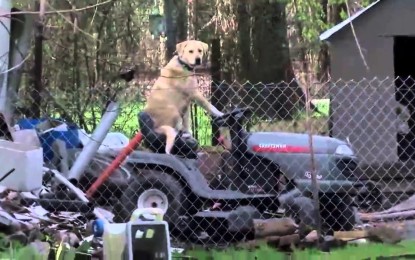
{"points": [[73, 188], [91, 148], [63, 205], [67, 183], [21, 30], [126, 151]]}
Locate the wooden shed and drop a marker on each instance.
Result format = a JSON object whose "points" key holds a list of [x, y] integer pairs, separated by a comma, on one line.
{"points": [[368, 52]]}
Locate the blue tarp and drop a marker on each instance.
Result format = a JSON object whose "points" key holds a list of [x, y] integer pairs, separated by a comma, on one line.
{"points": [[70, 137]]}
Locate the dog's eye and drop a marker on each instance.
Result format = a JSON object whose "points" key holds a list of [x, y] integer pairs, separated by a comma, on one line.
{"points": [[199, 50], [191, 51]]}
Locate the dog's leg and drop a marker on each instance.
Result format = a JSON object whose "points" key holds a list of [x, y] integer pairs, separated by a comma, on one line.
{"points": [[203, 102], [225, 138], [170, 134]]}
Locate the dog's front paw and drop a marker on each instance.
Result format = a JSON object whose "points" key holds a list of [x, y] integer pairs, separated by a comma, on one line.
{"points": [[221, 114]]}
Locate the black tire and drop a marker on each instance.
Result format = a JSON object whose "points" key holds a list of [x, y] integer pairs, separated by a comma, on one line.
{"points": [[372, 199], [112, 187], [337, 212], [307, 213], [148, 179], [301, 209]]}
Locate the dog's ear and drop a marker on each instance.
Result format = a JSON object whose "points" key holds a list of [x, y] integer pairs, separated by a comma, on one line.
{"points": [[180, 47], [205, 48]]}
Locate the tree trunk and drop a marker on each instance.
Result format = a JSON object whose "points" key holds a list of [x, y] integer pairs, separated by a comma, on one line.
{"points": [[332, 16], [244, 41], [323, 55], [181, 21], [271, 59], [192, 20], [37, 68], [170, 29], [270, 44], [334, 11]]}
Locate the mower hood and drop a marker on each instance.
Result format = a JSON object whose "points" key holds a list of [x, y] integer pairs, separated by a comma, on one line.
{"points": [[282, 142], [291, 151]]}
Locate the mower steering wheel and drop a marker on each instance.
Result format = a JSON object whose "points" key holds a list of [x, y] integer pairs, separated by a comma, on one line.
{"points": [[235, 113]]}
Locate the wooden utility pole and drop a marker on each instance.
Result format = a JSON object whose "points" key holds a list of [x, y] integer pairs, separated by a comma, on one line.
{"points": [[215, 90], [192, 35]]}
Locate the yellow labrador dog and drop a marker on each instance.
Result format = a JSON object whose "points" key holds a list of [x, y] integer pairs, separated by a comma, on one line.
{"points": [[170, 98]]}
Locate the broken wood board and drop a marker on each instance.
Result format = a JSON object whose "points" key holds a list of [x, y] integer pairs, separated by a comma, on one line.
{"points": [[274, 227]]}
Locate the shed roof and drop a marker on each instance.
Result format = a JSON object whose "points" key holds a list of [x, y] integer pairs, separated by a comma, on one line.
{"points": [[327, 34]]}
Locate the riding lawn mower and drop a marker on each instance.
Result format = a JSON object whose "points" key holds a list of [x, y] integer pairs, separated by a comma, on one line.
{"points": [[264, 175]]}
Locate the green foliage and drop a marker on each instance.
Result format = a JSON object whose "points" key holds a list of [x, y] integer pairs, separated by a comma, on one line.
{"points": [[79, 66], [15, 250], [263, 252], [65, 252], [310, 18], [343, 14], [323, 105], [11, 249], [127, 121]]}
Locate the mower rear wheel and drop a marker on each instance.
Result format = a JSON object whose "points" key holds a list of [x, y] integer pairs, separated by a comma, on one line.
{"points": [[152, 189]]}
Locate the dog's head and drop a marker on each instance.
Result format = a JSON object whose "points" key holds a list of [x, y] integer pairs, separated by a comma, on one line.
{"points": [[192, 52]]}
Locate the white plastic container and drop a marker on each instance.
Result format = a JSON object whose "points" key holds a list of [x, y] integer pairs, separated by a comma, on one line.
{"points": [[123, 240], [27, 162], [115, 241], [26, 136], [148, 240]]}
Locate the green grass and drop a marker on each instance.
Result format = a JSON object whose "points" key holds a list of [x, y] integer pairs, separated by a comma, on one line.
{"points": [[351, 252], [264, 252], [127, 121]]}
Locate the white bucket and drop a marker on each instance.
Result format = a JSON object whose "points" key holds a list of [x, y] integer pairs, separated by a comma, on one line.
{"points": [[27, 162]]}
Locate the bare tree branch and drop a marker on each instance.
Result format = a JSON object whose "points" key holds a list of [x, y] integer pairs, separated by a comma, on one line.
{"points": [[44, 12]]}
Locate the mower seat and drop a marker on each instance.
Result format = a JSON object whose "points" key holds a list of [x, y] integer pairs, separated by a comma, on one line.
{"points": [[156, 142]]}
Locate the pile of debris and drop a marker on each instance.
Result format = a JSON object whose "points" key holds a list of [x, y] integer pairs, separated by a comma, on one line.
{"points": [[33, 225], [389, 226]]}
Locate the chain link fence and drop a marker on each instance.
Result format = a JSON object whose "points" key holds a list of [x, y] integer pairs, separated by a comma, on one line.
{"points": [[321, 162]]}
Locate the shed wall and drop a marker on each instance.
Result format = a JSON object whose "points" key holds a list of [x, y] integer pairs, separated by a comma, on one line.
{"points": [[364, 110]]}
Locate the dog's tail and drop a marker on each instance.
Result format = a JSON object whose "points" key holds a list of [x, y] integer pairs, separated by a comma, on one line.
{"points": [[170, 134]]}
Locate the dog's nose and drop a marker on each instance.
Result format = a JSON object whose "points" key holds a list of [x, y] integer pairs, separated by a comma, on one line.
{"points": [[198, 61]]}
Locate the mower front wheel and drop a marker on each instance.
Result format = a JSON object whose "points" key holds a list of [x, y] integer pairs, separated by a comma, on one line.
{"points": [[152, 189]]}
